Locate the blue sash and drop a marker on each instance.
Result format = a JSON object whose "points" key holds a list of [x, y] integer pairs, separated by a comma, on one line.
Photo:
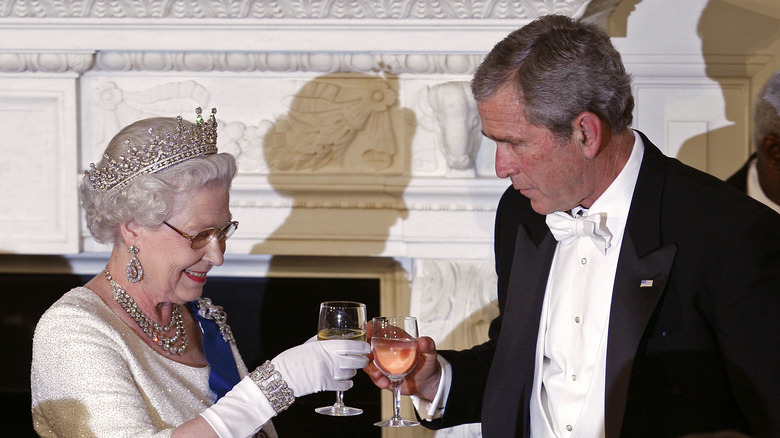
{"points": [[224, 371]]}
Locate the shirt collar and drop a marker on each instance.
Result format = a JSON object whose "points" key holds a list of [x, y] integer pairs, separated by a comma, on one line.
{"points": [[616, 199]]}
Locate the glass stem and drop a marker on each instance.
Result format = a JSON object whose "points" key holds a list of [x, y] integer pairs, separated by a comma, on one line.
{"points": [[339, 399], [396, 387]]}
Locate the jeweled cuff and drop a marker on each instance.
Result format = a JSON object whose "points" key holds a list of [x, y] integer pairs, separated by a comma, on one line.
{"points": [[273, 386]]}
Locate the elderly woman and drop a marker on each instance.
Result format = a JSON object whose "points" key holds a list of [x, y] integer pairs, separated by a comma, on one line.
{"points": [[137, 352]]}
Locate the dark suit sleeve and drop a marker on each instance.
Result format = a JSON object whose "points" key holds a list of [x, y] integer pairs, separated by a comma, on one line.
{"points": [[745, 309], [470, 367], [709, 356]]}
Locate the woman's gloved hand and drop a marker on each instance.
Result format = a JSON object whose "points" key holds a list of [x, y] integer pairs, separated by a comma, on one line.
{"points": [[310, 367], [321, 365]]}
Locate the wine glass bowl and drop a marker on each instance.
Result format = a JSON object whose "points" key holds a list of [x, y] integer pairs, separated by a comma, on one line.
{"points": [[394, 357], [341, 320], [394, 346]]}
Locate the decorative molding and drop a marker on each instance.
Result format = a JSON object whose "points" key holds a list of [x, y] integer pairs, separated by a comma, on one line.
{"points": [[113, 107], [292, 9], [276, 26], [368, 193], [336, 204], [458, 318], [455, 301], [346, 124], [449, 111], [46, 62], [195, 61], [79, 62], [676, 67]]}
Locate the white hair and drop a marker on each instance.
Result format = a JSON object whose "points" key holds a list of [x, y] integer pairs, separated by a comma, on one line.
{"points": [[766, 117], [150, 199]]}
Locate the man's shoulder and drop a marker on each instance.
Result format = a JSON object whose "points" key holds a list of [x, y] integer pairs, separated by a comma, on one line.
{"points": [[739, 178], [699, 203], [679, 180]]}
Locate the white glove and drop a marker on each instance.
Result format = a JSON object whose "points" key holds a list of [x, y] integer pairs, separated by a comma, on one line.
{"points": [[321, 365], [308, 368], [241, 412]]}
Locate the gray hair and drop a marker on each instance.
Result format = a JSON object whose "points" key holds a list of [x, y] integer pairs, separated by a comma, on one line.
{"points": [[151, 198], [766, 117], [560, 68]]}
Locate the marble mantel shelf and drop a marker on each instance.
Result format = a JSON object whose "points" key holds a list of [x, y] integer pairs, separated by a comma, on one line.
{"points": [[373, 26], [386, 217], [374, 36]]}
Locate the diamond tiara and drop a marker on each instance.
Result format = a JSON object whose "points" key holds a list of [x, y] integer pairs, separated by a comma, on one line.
{"points": [[162, 152]]}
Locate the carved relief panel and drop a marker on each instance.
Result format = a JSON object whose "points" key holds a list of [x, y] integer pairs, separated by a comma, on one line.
{"points": [[325, 157], [39, 211]]}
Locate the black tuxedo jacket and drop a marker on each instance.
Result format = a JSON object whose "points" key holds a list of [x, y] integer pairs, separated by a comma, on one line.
{"points": [[739, 179], [698, 351]]}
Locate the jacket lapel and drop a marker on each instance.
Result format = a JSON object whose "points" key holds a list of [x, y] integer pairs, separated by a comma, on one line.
{"points": [[511, 377], [642, 272]]}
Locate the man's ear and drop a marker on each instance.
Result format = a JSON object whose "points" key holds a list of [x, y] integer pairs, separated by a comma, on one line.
{"points": [[130, 232], [770, 150], [588, 133]]}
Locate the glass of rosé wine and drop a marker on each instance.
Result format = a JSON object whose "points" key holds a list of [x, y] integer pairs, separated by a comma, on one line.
{"points": [[341, 320], [394, 345]]}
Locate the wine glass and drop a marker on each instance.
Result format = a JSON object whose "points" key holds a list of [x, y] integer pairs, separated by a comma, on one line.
{"points": [[341, 320], [394, 345]]}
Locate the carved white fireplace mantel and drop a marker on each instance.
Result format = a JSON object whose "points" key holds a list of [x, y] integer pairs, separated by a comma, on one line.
{"points": [[358, 144], [403, 182], [405, 26]]}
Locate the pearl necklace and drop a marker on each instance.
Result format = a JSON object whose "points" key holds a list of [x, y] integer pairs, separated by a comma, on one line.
{"points": [[151, 328]]}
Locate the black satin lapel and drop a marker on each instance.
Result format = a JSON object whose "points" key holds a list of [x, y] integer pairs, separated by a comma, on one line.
{"points": [[528, 281], [505, 406], [644, 218], [639, 284]]}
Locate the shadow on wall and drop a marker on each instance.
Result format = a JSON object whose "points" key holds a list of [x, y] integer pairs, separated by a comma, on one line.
{"points": [[342, 130], [728, 27], [618, 20], [343, 133]]}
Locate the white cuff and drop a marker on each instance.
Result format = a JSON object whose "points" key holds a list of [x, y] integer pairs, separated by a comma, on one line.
{"points": [[435, 408], [241, 412]]}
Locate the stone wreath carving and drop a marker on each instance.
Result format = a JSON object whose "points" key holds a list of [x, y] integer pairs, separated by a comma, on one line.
{"points": [[328, 118]]}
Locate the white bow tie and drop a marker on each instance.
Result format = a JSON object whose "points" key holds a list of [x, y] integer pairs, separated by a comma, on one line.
{"points": [[567, 229]]}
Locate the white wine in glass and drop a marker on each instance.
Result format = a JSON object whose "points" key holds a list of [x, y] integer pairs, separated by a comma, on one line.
{"points": [[394, 345], [341, 320]]}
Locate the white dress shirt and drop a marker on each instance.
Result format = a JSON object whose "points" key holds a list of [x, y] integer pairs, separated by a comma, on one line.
{"points": [[567, 400]]}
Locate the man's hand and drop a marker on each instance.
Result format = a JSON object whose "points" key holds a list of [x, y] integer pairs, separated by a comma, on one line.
{"points": [[423, 381]]}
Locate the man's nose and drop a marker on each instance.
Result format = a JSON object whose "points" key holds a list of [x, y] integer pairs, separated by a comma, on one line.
{"points": [[503, 162]]}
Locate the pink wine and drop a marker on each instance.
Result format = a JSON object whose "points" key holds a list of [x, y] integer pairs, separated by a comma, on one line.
{"points": [[394, 357]]}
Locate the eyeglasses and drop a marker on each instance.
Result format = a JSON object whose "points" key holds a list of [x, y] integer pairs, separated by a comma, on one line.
{"points": [[202, 238]]}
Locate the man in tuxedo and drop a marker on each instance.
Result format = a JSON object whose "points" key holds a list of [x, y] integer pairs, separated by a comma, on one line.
{"points": [[638, 297], [760, 176]]}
